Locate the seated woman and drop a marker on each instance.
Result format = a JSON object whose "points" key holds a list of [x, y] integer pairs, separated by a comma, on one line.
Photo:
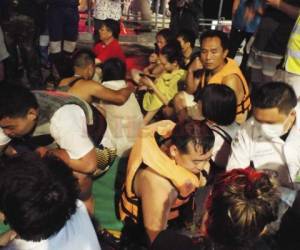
{"points": [[241, 205], [162, 89], [154, 69], [109, 46], [123, 121]]}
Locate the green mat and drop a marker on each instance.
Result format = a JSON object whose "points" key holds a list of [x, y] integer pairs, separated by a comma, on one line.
{"points": [[104, 190]]}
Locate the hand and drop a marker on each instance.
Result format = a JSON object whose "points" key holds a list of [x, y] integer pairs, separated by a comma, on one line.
{"points": [[146, 81], [274, 3], [41, 151], [195, 65], [7, 237], [59, 153]]}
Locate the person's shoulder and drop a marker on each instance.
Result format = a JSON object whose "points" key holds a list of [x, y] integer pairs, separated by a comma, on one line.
{"points": [[148, 180], [65, 81]]}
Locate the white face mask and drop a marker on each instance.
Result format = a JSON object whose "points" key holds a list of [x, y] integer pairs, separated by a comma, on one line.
{"points": [[272, 130]]}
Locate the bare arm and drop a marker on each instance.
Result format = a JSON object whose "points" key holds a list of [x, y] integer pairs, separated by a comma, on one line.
{"points": [[288, 9], [117, 97], [150, 84], [149, 116], [157, 196], [235, 83], [235, 5], [192, 82]]}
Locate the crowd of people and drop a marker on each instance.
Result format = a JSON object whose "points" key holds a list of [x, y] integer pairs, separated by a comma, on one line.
{"points": [[211, 147]]}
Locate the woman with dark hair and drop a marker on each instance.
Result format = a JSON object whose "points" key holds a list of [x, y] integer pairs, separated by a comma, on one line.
{"points": [[162, 89]]}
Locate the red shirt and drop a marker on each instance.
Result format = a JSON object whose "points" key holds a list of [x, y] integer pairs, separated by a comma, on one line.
{"points": [[105, 51]]}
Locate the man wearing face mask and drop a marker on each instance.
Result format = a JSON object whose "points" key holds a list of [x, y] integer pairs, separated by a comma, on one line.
{"points": [[270, 140]]}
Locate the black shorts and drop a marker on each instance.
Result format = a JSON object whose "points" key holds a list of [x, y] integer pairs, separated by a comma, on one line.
{"points": [[63, 23]]}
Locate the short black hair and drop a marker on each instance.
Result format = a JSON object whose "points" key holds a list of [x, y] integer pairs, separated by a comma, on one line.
{"points": [[187, 36], [15, 101], [83, 57], [216, 33], [218, 104], [113, 26], [274, 95], [172, 51], [191, 130], [113, 69], [37, 196]]}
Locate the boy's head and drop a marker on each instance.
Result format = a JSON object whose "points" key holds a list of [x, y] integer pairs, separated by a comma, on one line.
{"points": [[37, 196]]}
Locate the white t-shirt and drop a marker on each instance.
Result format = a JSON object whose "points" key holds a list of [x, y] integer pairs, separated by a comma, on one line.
{"points": [[77, 234], [69, 130], [123, 121]]}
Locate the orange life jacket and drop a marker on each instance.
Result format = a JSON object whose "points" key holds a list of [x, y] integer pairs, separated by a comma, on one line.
{"points": [[230, 68], [146, 151]]}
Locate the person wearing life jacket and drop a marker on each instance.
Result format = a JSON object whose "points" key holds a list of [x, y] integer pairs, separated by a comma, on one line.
{"points": [[167, 164], [55, 123], [213, 66]]}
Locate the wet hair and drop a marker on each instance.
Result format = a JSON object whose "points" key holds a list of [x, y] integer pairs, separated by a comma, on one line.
{"points": [[187, 36], [242, 203], [191, 130], [113, 26], [172, 51], [216, 33], [113, 69], [274, 95], [37, 196], [15, 101], [218, 104], [83, 58]]}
